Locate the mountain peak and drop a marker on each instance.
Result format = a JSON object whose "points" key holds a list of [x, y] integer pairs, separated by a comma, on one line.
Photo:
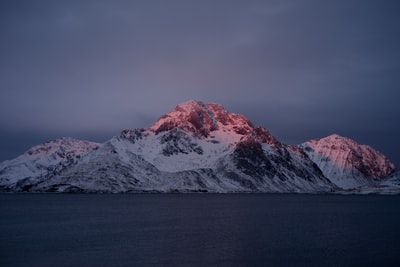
{"points": [[45, 159], [335, 139], [341, 159], [66, 145], [201, 119], [191, 103], [336, 136]]}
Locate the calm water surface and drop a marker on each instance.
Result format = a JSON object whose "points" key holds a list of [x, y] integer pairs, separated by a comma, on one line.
{"points": [[199, 230]]}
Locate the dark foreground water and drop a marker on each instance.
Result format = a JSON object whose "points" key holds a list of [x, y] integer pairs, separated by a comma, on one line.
{"points": [[199, 230]]}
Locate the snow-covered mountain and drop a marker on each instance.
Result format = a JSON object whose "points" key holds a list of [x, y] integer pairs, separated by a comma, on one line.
{"points": [[346, 163], [42, 161], [196, 147]]}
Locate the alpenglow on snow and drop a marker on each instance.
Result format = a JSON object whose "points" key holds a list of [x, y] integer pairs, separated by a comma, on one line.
{"points": [[199, 147]]}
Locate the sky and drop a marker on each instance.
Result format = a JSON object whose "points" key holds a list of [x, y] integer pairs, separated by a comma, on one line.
{"points": [[303, 69]]}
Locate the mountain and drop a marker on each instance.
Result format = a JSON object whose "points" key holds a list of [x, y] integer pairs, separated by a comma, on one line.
{"points": [[196, 147], [42, 161], [346, 163]]}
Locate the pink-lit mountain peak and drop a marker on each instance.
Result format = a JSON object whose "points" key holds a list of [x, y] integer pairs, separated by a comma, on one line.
{"points": [[335, 140], [346, 154], [202, 119]]}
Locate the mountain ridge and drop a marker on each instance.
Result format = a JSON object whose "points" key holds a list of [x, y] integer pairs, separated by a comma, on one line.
{"points": [[196, 147]]}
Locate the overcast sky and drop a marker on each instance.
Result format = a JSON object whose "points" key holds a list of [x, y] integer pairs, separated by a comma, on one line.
{"points": [[303, 69]]}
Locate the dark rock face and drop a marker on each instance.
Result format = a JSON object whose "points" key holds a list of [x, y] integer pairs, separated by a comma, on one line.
{"points": [[251, 159], [133, 135], [281, 162], [177, 141]]}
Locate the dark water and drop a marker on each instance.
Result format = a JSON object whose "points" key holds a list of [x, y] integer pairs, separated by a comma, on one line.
{"points": [[199, 230]]}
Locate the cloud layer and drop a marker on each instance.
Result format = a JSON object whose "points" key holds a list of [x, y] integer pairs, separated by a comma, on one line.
{"points": [[303, 69]]}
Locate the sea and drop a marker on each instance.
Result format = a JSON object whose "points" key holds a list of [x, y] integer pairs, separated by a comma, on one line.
{"points": [[199, 230]]}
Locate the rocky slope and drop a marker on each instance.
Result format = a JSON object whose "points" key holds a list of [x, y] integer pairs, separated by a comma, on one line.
{"points": [[388, 186]]}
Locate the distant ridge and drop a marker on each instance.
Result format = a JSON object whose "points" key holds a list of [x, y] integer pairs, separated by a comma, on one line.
{"points": [[346, 163]]}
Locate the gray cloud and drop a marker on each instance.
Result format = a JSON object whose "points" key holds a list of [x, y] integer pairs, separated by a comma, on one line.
{"points": [[303, 69]]}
